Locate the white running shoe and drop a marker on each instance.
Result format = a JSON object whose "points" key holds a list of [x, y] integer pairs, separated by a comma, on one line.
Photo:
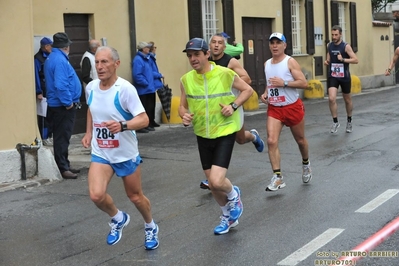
{"points": [[276, 183], [306, 173], [349, 127], [334, 127]]}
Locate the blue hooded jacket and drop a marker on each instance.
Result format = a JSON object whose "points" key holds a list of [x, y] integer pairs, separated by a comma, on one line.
{"points": [[62, 84], [157, 76], [142, 75]]}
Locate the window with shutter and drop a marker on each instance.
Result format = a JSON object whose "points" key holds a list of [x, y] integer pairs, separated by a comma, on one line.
{"points": [[209, 20], [342, 20], [296, 27]]}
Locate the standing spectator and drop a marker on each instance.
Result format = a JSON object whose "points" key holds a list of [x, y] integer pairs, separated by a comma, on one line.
{"points": [[339, 56], [63, 94], [284, 77], [88, 65], [39, 59], [208, 102], [115, 110], [143, 80], [158, 84]]}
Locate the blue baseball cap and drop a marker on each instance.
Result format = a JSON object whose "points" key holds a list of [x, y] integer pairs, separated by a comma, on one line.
{"points": [[224, 34], [46, 41], [278, 35], [196, 44]]}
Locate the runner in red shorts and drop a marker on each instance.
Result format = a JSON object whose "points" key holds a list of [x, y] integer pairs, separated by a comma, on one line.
{"points": [[284, 77]]}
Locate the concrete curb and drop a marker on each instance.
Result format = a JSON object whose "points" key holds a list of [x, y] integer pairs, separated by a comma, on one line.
{"points": [[24, 184]]}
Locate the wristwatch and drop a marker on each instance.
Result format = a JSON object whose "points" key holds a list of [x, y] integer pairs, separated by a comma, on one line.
{"points": [[123, 126], [234, 106], [285, 83]]}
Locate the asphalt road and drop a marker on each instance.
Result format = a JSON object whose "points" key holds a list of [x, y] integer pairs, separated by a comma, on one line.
{"points": [[301, 224]]}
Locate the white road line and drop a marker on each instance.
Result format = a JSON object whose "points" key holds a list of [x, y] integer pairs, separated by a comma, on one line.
{"points": [[308, 249], [372, 205]]}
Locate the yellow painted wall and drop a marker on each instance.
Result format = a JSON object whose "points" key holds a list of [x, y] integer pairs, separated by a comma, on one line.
{"points": [[110, 19], [17, 94], [383, 57]]}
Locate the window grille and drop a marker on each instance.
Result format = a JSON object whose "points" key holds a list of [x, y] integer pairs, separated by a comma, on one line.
{"points": [[209, 21], [341, 19], [296, 27]]}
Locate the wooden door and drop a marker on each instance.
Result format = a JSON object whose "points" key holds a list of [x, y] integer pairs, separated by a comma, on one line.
{"points": [[77, 28], [256, 32]]}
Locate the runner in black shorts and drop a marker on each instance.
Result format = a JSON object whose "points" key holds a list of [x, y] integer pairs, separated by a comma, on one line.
{"points": [[339, 56], [216, 151]]}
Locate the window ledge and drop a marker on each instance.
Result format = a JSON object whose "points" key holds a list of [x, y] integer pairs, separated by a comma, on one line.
{"points": [[299, 55]]}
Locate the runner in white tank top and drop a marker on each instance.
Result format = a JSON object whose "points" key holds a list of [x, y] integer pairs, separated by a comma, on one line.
{"points": [[284, 77], [280, 96]]}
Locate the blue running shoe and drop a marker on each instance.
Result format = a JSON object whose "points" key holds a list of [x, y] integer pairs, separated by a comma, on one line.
{"points": [[116, 229], [204, 184], [151, 238], [235, 206], [224, 226], [259, 144]]}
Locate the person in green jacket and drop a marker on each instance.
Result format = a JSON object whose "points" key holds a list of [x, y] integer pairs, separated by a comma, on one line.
{"points": [[235, 49]]}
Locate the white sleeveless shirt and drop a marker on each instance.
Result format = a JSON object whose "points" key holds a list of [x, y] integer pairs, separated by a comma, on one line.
{"points": [[93, 71], [280, 96]]}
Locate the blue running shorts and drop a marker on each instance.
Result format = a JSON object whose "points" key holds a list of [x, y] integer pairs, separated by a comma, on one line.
{"points": [[121, 169]]}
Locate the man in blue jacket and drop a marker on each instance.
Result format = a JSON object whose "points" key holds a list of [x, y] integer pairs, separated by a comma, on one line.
{"points": [[63, 96], [143, 80]]}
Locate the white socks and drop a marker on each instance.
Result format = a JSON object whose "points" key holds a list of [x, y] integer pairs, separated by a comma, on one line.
{"points": [[232, 194], [150, 225], [118, 216]]}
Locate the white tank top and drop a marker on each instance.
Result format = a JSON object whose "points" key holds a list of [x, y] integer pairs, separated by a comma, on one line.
{"points": [[280, 96], [119, 103]]}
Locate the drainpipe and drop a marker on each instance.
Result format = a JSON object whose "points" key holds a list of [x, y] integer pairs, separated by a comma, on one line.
{"points": [[21, 149], [132, 28]]}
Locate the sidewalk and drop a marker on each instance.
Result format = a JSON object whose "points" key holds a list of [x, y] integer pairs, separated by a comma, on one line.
{"points": [[78, 156]]}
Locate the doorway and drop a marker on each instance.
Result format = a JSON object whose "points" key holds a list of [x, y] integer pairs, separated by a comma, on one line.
{"points": [[256, 32], [77, 28]]}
